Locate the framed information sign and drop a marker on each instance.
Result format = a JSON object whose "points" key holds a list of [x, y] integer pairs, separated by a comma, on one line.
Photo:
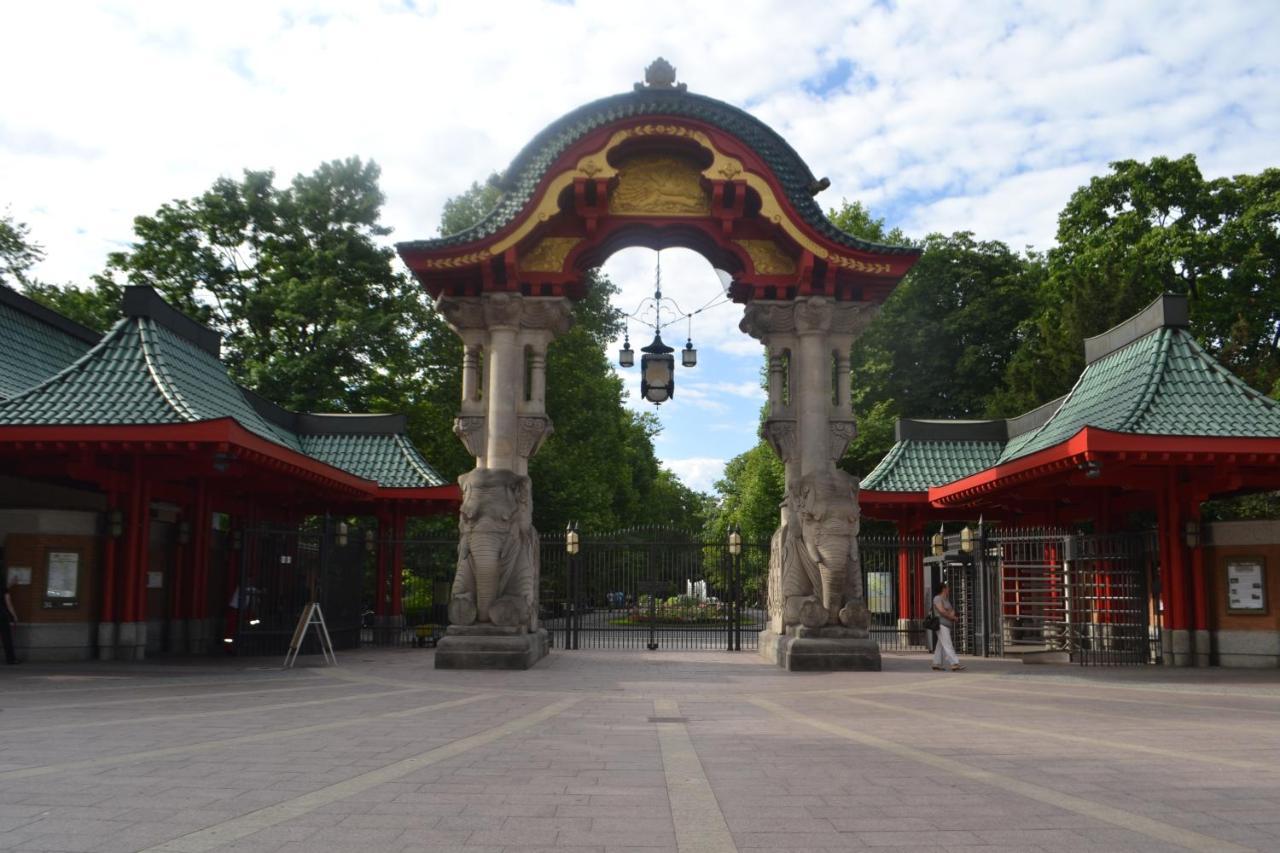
{"points": [[62, 579], [1246, 586]]}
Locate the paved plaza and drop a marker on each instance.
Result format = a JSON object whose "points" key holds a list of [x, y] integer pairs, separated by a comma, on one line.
{"points": [[635, 751]]}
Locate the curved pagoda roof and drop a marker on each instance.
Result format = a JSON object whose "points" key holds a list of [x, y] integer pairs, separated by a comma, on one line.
{"points": [[520, 181], [157, 366], [1147, 378], [37, 342], [658, 166]]}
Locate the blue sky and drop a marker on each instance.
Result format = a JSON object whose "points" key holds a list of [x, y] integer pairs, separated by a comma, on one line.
{"points": [[941, 116]]}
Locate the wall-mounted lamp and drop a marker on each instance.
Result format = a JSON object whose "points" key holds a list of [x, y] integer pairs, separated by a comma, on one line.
{"points": [[1191, 530], [967, 538], [735, 540], [115, 523], [341, 538], [938, 544], [571, 540]]}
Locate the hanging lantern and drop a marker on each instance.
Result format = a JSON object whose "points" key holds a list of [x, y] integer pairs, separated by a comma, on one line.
{"points": [[626, 355], [657, 372], [689, 355]]}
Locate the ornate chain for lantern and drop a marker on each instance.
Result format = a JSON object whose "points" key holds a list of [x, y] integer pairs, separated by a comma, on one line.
{"points": [[657, 365]]}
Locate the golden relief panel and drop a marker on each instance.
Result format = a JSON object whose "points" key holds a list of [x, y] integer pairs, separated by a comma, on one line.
{"points": [[767, 257], [549, 254], [659, 185]]}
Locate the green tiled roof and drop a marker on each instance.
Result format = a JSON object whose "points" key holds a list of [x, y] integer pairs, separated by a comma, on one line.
{"points": [[388, 460], [529, 167], [1163, 383], [912, 465], [33, 347], [143, 372]]}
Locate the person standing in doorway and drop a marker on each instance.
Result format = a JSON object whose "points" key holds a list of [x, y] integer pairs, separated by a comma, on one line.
{"points": [[8, 617], [944, 653]]}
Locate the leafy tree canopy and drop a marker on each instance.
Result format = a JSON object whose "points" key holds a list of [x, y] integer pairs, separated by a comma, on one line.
{"points": [[18, 252]]}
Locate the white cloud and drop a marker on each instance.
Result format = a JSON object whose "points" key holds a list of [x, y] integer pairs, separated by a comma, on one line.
{"points": [[954, 116], [698, 473]]}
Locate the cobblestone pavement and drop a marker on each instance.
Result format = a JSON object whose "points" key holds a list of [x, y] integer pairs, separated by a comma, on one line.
{"points": [[635, 751]]}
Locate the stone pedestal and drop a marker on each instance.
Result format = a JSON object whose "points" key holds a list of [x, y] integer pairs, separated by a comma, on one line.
{"points": [[107, 640], [131, 642], [803, 649], [491, 647]]}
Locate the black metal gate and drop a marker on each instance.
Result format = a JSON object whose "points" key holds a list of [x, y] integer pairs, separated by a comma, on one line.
{"points": [[1019, 591], [280, 570], [654, 588], [1088, 596]]}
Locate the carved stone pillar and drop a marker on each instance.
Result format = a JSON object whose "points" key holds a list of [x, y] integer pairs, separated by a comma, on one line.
{"points": [[818, 619], [503, 421]]}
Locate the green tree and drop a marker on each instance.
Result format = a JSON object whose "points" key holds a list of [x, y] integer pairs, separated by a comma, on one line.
{"points": [[854, 217], [470, 206], [18, 252], [313, 313], [1159, 227]]}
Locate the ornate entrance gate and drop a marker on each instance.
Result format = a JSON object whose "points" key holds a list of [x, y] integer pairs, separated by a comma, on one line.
{"points": [[659, 167], [654, 588]]}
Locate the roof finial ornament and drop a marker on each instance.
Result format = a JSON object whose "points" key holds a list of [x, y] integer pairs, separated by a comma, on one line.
{"points": [[661, 75]]}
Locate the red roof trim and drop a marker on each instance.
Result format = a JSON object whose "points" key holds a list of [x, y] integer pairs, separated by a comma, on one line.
{"points": [[874, 496], [1086, 444], [220, 431], [452, 493]]}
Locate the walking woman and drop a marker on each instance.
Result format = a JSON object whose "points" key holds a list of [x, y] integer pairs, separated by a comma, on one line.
{"points": [[944, 653]]}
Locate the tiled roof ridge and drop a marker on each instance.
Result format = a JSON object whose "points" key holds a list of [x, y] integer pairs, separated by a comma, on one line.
{"points": [[879, 472], [159, 372], [77, 365], [1216, 367], [413, 457], [44, 314], [1155, 378]]}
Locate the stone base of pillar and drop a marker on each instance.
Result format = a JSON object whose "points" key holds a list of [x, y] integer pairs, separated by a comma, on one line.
{"points": [[491, 647], [1201, 647], [177, 637], [107, 640], [131, 641], [1178, 652], [820, 650], [198, 635]]}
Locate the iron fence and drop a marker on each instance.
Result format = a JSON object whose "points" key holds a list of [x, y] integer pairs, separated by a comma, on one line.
{"points": [[280, 571]]}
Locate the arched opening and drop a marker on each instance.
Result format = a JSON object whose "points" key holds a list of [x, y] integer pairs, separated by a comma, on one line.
{"points": [[715, 413]]}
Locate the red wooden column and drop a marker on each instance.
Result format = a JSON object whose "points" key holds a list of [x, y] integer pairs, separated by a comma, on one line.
{"points": [[1199, 592], [384, 558], [904, 569], [110, 549], [1173, 571], [397, 566]]}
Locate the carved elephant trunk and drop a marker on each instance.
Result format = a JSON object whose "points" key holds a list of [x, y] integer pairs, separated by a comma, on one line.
{"points": [[486, 548]]}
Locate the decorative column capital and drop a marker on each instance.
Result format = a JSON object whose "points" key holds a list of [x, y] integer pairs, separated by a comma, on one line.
{"points": [[464, 314], [781, 435], [533, 430]]}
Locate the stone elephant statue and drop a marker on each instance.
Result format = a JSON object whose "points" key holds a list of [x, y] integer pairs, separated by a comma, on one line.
{"points": [[497, 579], [817, 550]]}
